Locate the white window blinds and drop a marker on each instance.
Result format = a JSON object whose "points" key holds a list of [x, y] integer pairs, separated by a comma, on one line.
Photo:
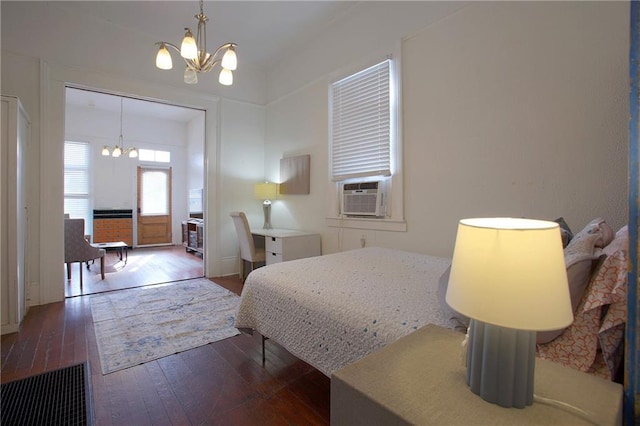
{"points": [[76, 180], [360, 124]]}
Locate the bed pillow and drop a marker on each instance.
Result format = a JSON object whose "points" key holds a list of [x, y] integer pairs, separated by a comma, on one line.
{"points": [[579, 256], [620, 242], [458, 321], [593, 343], [565, 231], [597, 227]]}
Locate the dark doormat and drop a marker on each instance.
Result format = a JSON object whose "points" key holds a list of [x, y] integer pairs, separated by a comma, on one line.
{"points": [[59, 397]]}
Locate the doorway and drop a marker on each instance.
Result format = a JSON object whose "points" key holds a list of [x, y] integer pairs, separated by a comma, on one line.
{"points": [[175, 135], [154, 206]]}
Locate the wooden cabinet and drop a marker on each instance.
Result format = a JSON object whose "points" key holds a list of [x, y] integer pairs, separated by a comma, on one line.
{"points": [[15, 129], [111, 226], [193, 235]]}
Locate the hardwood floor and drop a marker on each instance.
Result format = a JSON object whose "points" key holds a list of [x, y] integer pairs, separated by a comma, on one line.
{"points": [[144, 266], [220, 383]]}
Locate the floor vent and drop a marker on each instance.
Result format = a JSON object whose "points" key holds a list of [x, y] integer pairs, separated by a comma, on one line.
{"points": [[60, 397]]}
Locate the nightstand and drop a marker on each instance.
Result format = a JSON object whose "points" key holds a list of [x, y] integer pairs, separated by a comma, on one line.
{"points": [[419, 379]]}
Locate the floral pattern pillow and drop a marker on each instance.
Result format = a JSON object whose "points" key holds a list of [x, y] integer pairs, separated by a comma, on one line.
{"points": [[593, 343]]}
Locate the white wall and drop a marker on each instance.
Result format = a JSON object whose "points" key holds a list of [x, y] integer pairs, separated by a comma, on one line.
{"points": [[114, 180], [296, 125], [195, 152], [241, 168], [510, 109]]}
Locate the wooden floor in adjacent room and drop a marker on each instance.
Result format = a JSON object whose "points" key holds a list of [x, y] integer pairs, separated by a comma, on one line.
{"points": [[220, 383], [143, 266]]}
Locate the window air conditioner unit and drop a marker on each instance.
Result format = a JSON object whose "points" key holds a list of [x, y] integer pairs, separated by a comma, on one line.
{"points": [[363, 199]]}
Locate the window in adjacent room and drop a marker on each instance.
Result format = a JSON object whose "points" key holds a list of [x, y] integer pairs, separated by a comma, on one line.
{"points": [[364, 141], [154, 156], [76, 180]]}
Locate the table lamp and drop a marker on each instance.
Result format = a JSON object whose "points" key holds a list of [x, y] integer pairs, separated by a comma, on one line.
{"points": [[508, 276], [266, 191]]}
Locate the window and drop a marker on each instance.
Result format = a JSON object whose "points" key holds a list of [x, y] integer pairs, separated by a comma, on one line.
{"points": [[365, 141], [361, 124], [76, 180], [154, 192], [154, 156]]}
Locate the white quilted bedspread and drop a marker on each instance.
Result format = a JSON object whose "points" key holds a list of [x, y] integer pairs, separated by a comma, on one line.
{"points": [[334, 309]]}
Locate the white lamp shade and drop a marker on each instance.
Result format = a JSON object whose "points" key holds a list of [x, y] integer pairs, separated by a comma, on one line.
{"points": [[265, 191], [133, 153], [190, 76], [230, 59], [105, 151], [189, 48], [511, 273], [116, 152], [226, 77], [163, 58]]}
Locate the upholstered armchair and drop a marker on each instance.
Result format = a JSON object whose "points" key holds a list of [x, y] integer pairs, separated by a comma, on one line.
{"points": [[78, 249], [248, 250]]}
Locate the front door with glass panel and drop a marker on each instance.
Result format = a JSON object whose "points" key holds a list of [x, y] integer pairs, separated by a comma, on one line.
{"points": [[154, 206]]}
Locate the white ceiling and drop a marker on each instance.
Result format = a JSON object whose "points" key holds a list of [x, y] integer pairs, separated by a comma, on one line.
{"points": [[265, 32], [117, 38]]}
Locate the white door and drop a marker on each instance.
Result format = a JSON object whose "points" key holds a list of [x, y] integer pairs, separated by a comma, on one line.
{"points": [[154, 206]]}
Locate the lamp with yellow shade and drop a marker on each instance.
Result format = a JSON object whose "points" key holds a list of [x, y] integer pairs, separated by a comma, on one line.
{"points": [[266, 191], [507, 275]]}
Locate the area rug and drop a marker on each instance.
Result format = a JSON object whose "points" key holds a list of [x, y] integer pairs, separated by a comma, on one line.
{"points": [[59, 397], [137, 326]]}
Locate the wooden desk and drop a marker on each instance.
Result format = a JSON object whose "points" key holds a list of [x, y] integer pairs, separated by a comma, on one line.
{"points": [[419, 379], [286, 244]]}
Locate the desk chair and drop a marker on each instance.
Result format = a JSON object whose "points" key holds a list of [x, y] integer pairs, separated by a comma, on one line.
{"points": [[248, 251], [78, 249]]}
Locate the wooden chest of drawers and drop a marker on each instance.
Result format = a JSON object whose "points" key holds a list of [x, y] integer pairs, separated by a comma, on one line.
{"points": [[112, 226]]}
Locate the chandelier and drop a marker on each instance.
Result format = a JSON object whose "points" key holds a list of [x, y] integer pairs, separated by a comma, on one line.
{"points": [[194, 52], [119, 149]]}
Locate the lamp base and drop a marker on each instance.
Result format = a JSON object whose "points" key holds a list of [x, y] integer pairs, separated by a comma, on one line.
{"points": [[266, 209], [501, 363]]}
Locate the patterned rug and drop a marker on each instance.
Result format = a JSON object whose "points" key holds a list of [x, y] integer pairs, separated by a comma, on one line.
{"points": [[137, 326]]}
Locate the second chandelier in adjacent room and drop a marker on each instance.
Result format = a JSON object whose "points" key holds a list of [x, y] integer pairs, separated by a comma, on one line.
{"points": [[119, 149]]}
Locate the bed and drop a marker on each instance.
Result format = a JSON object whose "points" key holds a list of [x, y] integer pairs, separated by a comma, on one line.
{"points": [[334, 309]]}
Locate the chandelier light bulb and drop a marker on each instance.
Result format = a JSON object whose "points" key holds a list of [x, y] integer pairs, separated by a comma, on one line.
{"points": [[105, 151], [116, 151], [226, 77], [163, 58], [133, 153], [190, 76], [189, 48], [230, 59]]}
